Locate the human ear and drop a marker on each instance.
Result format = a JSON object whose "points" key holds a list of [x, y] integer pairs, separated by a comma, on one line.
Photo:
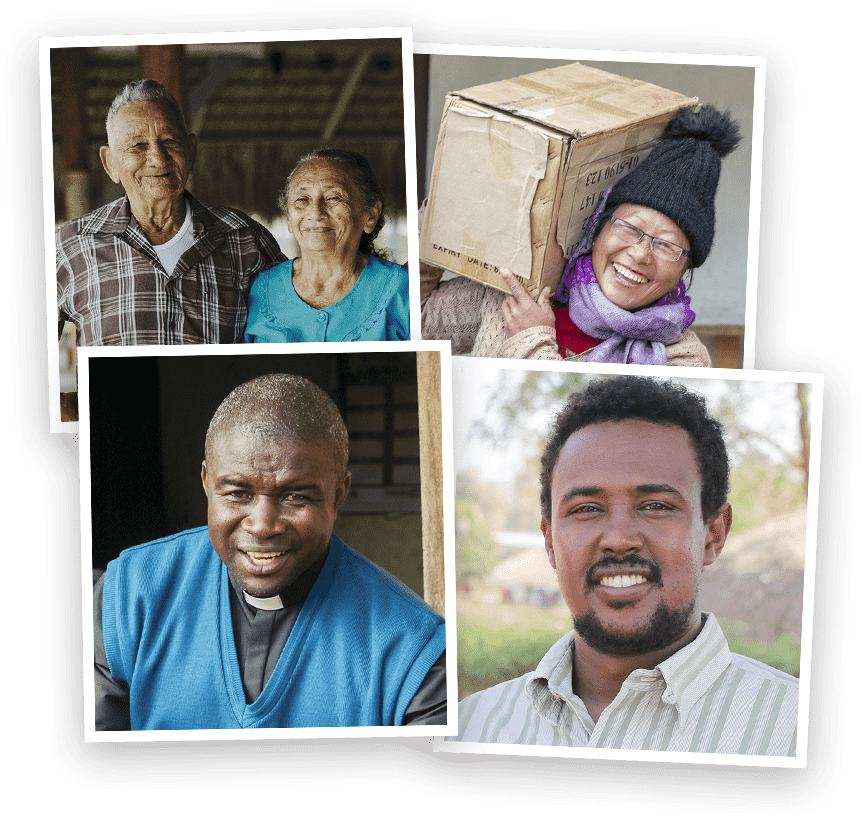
{"points": [[193, 151], [342, 491], [373, 216], [204, 477], [716, 534], [549, 543], [107, 157]]}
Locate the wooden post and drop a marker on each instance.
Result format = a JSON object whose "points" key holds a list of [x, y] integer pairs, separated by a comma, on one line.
{"points": [[431, 475], [73, 149], [164, 64]]}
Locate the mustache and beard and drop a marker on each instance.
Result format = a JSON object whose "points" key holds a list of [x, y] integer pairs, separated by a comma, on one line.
{"points": [[664, 627]]}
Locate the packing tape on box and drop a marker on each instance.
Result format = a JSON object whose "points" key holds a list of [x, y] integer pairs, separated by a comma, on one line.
{"points": [[591, 98], [500, 143], [632, 140], [472, 253]]}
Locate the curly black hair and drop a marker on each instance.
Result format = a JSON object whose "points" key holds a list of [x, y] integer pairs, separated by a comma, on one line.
{"points": [[665, 403]]}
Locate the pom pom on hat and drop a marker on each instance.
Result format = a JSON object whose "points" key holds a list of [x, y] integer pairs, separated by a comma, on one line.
{"points": [[679, 178], [709, 125]]}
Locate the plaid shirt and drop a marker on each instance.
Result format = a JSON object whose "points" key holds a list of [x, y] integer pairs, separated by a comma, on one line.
{"points": [[112, 287]]}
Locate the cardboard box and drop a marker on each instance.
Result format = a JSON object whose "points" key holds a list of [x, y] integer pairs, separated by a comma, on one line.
{"points": [[520, 165]]}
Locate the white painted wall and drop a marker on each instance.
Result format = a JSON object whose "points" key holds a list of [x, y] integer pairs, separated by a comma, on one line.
{"points": [[718, 294]]}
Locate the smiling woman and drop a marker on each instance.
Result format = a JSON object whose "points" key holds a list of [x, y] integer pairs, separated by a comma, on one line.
{"points": [[622, 298], [340, 288]]}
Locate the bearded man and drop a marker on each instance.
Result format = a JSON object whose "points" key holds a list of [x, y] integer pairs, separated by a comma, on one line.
{"points": [[634, 482]]}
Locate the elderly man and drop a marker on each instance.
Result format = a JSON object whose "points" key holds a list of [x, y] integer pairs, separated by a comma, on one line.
{"points": [[634, 482], [265, 618], [157, 266]]}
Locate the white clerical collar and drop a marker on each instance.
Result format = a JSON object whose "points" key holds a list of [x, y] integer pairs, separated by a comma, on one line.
{"points": [[270, 603]]}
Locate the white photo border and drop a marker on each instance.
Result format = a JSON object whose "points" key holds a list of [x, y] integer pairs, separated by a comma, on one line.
{"points": [[738, 61], [448, 493], [295, 35], [688, 373]]}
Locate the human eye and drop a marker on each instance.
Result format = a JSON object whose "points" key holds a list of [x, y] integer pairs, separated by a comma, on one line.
{"points": [[627, 231], [666, 249], [583, 509], [293, 498], [657, 507]]}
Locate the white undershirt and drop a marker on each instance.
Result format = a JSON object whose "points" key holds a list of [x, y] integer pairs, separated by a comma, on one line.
{"points": [[169, 253]]}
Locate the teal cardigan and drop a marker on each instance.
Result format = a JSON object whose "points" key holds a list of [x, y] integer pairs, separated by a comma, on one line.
{"points": [[358, 652], [376, 309]]}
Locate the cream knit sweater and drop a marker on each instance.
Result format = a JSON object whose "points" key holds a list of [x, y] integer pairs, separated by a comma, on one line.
{"points": [[469, 314]]}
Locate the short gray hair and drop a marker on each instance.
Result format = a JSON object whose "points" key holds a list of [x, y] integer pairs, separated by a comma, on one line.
{"points": [[140, 91], [359, 170], [277, 406]]}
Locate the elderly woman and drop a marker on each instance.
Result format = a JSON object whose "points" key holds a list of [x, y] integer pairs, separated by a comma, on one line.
{"points": [[622, 298], [340, 288]]}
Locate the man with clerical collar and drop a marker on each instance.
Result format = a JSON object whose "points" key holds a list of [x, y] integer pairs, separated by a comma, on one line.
{"points": [[265, 618], [157, 266], [634, 483]]}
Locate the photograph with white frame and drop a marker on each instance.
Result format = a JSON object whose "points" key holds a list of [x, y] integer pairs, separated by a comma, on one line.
{"points": [[140, 466], [257, 101], [723, 290], [512, 609]]}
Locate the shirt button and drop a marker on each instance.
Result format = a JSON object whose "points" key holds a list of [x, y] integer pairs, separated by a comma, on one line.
{"points": [[321, 316]]}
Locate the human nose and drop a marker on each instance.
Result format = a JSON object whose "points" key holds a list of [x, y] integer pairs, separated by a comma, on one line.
{"points": [[264, 518], [621, 534], [318, 207], [643, 247], [157, 156]]}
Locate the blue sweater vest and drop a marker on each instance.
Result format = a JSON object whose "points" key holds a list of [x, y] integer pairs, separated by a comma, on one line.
{"points": [[358, 652]]}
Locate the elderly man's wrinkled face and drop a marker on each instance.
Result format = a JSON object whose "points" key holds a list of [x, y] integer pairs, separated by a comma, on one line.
{"points": [[271, 506], [149, 154]]}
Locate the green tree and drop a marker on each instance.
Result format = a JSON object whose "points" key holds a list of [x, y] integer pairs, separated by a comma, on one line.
{"points": [[474, 545]]}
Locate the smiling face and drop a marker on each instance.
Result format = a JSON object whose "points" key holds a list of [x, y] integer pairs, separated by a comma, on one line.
{"points": [[149, 154], [325, 210], [271, 506], [631, 275], [627, 537]]}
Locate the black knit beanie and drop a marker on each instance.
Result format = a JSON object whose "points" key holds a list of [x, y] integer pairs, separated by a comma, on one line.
{"points": [[679, 178]]}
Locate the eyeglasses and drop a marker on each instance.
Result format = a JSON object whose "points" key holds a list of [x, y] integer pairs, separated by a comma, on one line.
{"points": [[666, 250]]}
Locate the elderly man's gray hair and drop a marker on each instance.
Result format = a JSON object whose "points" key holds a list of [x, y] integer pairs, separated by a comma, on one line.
{"points": [[277, 406], [139, 91]]}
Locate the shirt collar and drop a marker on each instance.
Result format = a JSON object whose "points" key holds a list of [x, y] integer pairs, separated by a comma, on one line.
{"points": [[686, 676], [294, 595], [116, 217], [270, 603], [692, 671], [550, 684]]}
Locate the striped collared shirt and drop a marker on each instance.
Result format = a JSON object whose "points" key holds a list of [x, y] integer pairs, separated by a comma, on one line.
{"points": [[113, 288], [703, 699]]}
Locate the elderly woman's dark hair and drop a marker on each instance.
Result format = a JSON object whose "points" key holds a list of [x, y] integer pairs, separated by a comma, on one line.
{"points": [[665, 403], [363, 177], [142, 91]]}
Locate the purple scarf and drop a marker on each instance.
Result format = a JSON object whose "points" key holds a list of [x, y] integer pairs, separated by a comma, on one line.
{"points": [[638, 337]]}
